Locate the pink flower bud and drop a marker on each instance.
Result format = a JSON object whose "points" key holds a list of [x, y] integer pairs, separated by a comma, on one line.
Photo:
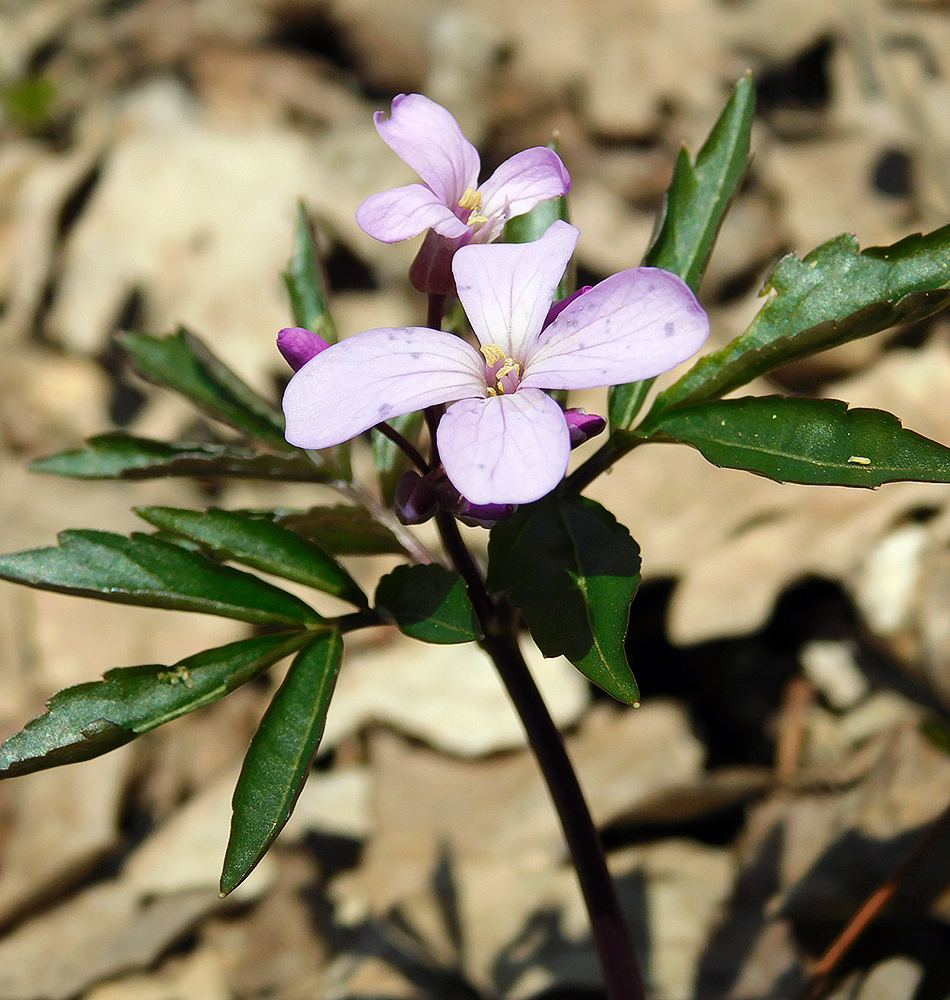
{"points": [[583, 425], [298, 345]]}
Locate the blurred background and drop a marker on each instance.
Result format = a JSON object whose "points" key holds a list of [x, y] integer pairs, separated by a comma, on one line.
{"points": [[792, 643]]}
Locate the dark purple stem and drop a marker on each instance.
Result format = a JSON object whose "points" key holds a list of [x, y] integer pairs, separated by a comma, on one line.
{"points": [[498, 622], [406, 447]]}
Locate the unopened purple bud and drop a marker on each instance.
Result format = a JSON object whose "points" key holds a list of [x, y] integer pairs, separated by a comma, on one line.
{"points": [[475, 515], [583, 425], [298, 345], [484, 515], [557, 307], [416, 498]]}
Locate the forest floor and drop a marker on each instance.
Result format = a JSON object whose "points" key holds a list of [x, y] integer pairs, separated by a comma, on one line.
{"points": [[792, 643]]}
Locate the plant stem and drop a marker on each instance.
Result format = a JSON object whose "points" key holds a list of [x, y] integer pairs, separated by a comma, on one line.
{"points": [[498, 622], [618, 963], [403, 445], [615, 447]]}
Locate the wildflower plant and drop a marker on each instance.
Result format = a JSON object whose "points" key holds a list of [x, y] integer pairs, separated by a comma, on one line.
{"points": [[474, 429]]}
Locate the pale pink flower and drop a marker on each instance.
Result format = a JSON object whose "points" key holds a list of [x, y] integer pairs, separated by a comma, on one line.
{"points": [[449, 203], [503, 440]]}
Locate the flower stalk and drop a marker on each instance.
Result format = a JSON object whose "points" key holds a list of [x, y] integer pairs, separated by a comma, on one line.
{"points": [[499, 623]]}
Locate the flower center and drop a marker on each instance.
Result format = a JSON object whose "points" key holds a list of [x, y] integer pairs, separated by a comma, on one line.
{"points": [[472, 202], [502, 374]]}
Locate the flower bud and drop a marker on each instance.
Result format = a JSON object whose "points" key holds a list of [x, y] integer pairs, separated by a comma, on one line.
{"points": [[475, 515], [561, 304], [583, 425], [416, 498], [298, 345]]}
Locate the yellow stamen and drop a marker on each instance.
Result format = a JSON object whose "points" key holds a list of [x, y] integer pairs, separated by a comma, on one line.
{"points": [[492, 353], [472, 200]]}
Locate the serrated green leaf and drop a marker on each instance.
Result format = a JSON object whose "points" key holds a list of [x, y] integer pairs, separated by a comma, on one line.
{"points": [[182, 362], [279, 757], [816, 441], [389, 460], [304, 281], [834, 294], [572, 569], [696, 203], [260, 543], [428, 603], [90, 719], [343, 530], [122, 456], [148, 571]]}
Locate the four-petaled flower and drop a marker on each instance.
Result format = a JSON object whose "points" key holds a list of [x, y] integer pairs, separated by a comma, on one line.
{"points": [[503, 440], [450, 204]]}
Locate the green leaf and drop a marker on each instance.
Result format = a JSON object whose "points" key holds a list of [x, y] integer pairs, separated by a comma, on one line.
{"points": [[818, 441], [279, 757], [181, 362], [389, 459], [260, 543], [155, 573], [573, 571], [696, 203], [701, 192], [835, 294], [343, 530], [534, 224], [90, 719], [121, 456], [625, 401], [428, 603], [304, 281]]}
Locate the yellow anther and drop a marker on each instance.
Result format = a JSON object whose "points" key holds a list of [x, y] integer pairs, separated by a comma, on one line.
{"points": [[508, 366], [492, 354], [471, 200]]}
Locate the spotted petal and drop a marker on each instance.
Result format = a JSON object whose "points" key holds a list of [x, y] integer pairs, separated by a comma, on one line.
{"points": [[373, 376], [522, 181], [631, 326], [428, 138], [504, 449], [506, 289], [399, 213]]}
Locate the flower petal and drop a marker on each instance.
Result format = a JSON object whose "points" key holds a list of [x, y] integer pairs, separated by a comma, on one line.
{"points": [[633, 325], [428, 138], [506, 289], [399, 213], [504, 449], [522, 181], [374, 375]]}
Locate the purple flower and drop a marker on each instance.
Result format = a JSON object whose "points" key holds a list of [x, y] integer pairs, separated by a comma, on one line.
{"points": [[449, 203], [503, 440]]}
